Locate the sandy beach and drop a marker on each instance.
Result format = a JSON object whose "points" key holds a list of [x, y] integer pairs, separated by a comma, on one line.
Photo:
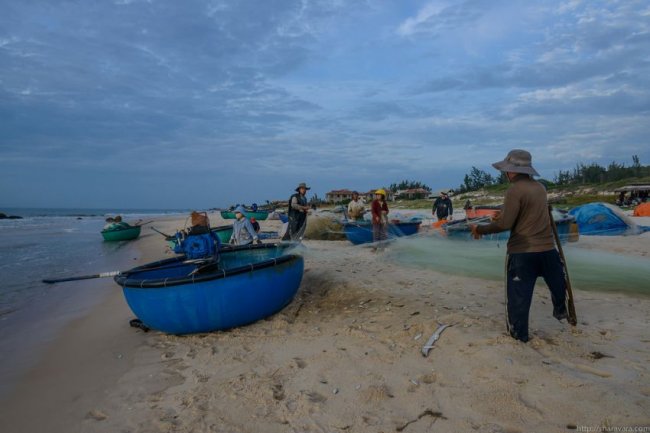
{"points": [[345, 356]]}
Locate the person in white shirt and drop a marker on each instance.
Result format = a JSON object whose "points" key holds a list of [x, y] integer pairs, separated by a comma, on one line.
{"points": [[356, 207]]}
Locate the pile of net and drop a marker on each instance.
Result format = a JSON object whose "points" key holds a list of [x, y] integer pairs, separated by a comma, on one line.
{"points": [[605, 220]]}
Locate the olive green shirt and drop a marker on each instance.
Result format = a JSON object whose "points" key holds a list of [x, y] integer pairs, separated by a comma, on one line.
{"points": [[525, 214]]}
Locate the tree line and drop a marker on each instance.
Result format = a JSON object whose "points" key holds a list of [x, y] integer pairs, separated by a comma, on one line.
{"points": [[595, 173], [580, 175], [407, 184]]}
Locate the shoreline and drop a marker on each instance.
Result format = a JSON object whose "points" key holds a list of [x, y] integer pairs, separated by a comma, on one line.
{"points": [[349, 360]]}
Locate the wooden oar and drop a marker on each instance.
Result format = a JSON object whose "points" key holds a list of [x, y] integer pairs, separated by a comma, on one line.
{"points": [[573, 318], [197, 262], [158, 231], [83, 277]]}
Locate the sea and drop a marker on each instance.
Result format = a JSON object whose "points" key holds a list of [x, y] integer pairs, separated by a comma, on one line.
{"points": [[52, 244]]}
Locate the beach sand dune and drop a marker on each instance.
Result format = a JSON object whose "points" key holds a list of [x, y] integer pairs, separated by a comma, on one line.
{"points": [[345, 356]]}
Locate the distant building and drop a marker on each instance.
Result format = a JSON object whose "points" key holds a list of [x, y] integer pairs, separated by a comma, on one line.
{"points": [[412, 193], [340, 195]]}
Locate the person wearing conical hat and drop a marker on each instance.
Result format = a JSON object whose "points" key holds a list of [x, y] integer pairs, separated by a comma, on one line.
{"points": [[531, 246], [297, 212], [379, 209]]}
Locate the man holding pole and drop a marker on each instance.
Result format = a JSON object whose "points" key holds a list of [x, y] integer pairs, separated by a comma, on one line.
{"points": [[531, 247]]}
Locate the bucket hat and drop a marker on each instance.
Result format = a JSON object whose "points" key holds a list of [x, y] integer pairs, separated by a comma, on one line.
{"points": [[241, 210], [517, 161], [302, 185]]}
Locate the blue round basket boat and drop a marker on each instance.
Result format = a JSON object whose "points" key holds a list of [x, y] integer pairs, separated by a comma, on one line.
{"points": [[179, 296], [360, 232]]}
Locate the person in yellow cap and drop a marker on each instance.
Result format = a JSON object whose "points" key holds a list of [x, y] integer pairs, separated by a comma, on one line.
{"points": [[379, 209]]}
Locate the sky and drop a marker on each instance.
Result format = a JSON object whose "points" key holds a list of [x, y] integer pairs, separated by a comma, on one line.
{"points": [[200, 104]]}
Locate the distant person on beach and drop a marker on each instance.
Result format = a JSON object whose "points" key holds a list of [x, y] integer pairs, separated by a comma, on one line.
{"points": [[531, 246], [442, 207], [298, 209], [243, 232], [379, 209], [356, 207]]}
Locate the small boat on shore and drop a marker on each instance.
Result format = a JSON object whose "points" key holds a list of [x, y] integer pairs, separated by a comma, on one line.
{"points": [[259, 215], [482, 211], [246, 284], [360, 232], [121, 232]]}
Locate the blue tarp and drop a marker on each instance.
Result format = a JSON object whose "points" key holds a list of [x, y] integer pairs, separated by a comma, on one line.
{"points": [[603, 219]]}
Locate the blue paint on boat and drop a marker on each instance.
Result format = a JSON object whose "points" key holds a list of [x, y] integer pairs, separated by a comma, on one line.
{"points": [[360, 232], [249, 283]]}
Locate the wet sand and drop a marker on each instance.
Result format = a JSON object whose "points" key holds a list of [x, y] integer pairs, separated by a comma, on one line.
{"points": [[345, 356]]}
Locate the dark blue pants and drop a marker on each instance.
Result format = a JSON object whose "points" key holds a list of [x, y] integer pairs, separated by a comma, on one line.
{"points": [[522, 272]]}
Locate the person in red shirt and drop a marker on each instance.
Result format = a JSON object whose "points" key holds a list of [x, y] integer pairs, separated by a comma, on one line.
{"points": [[379, 209]]}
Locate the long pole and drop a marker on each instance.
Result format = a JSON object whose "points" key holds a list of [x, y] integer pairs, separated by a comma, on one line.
{"points": [[573, 318]]}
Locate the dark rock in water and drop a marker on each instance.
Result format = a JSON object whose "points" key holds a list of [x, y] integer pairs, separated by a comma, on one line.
{"points": [[9, 217], [79, 218]]}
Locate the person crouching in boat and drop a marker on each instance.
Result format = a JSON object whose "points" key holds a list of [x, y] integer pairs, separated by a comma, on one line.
{"points": [[115, 223], [243, 232], [379, 209], [531, 251], [255, 224]]}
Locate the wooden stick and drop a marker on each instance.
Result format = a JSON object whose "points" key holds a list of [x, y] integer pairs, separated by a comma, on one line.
{"points": [[83, 277], [573, 319]]}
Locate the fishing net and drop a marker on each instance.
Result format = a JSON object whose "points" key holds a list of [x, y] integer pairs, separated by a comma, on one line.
{"points": [[588, 269], [324, 228]]}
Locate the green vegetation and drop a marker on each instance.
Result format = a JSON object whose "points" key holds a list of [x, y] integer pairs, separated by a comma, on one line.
{"points": [[594, 173], [583, 175], [408, 184]]}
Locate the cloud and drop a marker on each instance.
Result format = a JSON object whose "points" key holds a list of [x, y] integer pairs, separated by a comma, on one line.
{"points": [[324, 91]]}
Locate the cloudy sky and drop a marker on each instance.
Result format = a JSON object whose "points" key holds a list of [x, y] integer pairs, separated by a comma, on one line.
{"points": [[203, 103]]}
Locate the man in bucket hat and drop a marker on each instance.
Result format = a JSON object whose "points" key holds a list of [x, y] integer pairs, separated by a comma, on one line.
{"points": [[442, 207], [297, 212], [531, 246]]}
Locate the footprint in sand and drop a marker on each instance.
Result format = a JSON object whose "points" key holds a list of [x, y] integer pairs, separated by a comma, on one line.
{"points": [[315, 397], [278, 391]]}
